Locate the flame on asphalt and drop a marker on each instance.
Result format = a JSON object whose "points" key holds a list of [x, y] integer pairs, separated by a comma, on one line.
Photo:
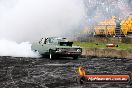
{"points": [[81, 71]]}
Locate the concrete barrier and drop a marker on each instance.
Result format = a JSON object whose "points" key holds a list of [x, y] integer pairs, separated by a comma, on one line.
{"points": [[112, 53]]}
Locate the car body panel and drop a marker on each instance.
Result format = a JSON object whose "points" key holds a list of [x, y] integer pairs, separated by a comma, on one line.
{"points": [[59, 46]]}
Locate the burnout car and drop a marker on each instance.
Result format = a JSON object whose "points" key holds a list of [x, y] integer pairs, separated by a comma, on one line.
{"points": [[56, 47]]}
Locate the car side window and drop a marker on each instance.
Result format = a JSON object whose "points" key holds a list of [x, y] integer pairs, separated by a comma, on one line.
{"points": [[45, 41], [40, 40], [48, 41]]}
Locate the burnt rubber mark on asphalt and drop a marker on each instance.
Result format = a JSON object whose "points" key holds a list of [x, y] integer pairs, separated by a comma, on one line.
{"points": [[42, 72]]}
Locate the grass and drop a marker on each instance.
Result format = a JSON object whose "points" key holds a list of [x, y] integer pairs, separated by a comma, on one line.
{"points": [[125, 46], [121, 46]]}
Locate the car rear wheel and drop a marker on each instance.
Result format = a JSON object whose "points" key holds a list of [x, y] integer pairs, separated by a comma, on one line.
{"points": [[51, 54]]}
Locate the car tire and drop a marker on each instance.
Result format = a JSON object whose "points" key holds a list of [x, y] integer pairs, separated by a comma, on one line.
{"points": [[51, 54]]}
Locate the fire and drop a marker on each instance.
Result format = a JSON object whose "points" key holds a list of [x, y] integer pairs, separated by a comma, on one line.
{"points": [[81, 71]]}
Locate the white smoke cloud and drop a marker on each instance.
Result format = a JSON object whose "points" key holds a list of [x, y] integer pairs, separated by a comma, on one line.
{"points": [[29, 20], [11, 48]]}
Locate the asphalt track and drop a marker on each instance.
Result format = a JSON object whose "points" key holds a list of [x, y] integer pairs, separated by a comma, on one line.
{"points": [[20, 72]]}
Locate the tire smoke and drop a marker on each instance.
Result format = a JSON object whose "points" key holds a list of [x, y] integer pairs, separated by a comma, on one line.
{"points": [[30, 20], [11, 48]]}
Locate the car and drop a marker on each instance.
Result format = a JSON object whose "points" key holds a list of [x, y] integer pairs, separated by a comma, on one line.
{"points": [[56, 47]]}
